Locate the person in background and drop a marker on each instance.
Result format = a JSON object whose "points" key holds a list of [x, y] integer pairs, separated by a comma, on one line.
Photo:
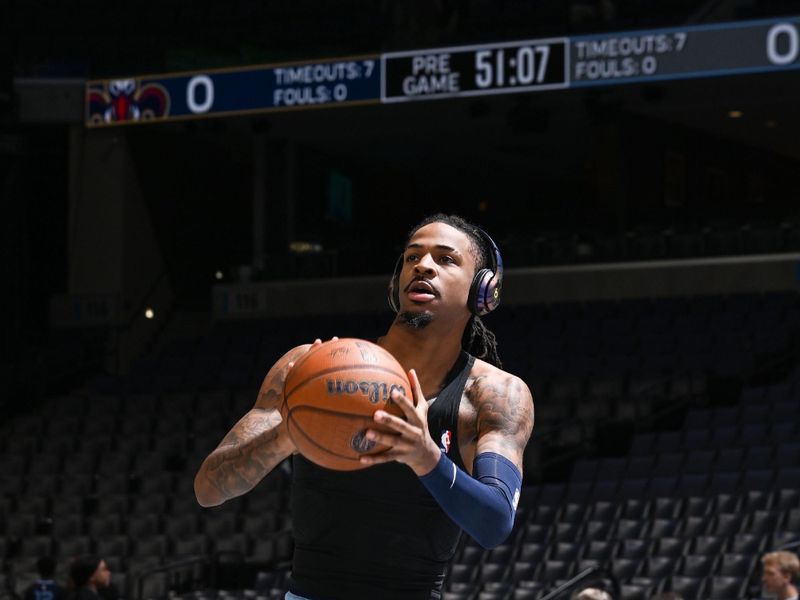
{"points": [[591, 593], [45, 588], [89, 575], [781, 570]]}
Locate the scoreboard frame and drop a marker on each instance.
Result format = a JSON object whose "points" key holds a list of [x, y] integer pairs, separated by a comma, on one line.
{"points": [[553, 63]]}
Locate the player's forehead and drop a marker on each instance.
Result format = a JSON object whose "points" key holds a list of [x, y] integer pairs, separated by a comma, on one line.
{"points": [[440, 235]]}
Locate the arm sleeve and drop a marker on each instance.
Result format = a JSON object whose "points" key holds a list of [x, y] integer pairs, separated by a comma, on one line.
{"points": [[483, 505]]}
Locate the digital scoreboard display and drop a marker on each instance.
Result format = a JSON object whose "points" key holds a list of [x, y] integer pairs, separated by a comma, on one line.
{"points": [[682, 53], [233, 91], [511, 67], [474, 70]]}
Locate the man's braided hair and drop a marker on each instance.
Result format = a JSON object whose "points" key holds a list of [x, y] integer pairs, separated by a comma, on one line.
{"points": [[477, 339]]}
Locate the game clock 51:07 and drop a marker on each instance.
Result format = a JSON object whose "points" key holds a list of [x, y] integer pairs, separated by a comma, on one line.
{"points": [[475, 70], [501, 67]]}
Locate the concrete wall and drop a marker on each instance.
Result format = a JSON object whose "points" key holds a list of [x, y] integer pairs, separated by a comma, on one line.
{"points": [[115, 266]]}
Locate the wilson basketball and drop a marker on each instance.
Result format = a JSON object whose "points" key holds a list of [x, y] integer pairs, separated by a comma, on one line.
{"points": [[331, 395]]}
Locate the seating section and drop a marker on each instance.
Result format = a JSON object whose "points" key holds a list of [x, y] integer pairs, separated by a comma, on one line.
{"points": [[109, 468], [680, 512], [653, 242], [114, 476]]}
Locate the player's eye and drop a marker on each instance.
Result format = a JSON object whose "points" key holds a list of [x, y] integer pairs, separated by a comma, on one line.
{"points": [[411, 258], [447, 259]]}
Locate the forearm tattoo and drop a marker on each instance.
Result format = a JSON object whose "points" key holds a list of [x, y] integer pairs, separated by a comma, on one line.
{"points": [[252, 448], [246, 454]]}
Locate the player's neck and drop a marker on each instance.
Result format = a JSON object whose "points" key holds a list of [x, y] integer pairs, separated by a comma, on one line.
{"points": [[431, 351]]}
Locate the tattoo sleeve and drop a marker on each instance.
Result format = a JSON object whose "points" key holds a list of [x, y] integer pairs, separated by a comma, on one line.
{"points": [[252, 448], [505, 417]]}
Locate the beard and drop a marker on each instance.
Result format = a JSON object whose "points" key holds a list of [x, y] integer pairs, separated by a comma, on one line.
{"points": [[415, 320]]}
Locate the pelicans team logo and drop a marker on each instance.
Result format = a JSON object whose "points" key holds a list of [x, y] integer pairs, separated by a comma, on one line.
{"points": [[121, 100], [444, 442]]}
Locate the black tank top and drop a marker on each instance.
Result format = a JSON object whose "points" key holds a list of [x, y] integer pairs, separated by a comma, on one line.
{"points": [[377, 533]]}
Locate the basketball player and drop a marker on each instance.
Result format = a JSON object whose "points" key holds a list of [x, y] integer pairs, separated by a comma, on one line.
{"points": [[454, 463]]}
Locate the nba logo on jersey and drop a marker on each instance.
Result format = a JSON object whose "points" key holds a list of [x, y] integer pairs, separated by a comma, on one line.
{"points": [[445, 441]]}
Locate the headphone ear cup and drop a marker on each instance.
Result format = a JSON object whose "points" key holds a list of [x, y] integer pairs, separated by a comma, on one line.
{"points": [[484, 295], [475, 300], [393, 296], [393, 293]]}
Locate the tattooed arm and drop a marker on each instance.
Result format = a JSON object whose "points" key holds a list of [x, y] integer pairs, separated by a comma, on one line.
{"points": [[483, 505], [255, 445], [504, 408]]}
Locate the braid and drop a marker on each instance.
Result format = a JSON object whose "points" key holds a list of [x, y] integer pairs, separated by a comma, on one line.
{"points": [[480, 342]]}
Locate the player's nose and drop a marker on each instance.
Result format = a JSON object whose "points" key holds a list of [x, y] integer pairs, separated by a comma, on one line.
{"points": [[426, 264]]}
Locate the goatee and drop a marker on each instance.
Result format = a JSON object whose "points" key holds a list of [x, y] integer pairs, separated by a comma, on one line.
{"points": [[415, 320]]}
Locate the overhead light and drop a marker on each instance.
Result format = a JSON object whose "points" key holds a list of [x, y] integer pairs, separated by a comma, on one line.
{"points": [[149, 313], [302, 247], [771, 124], [218, 275], [735, 114]]}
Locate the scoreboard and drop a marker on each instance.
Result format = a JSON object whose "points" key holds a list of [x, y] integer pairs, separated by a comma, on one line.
{"points": [[741, 47]]}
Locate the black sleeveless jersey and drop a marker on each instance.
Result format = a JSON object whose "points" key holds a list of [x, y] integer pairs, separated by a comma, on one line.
{"points": [[377, 532]]}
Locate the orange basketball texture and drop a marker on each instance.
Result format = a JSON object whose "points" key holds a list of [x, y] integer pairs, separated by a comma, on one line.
{"points": [[331, 395]]}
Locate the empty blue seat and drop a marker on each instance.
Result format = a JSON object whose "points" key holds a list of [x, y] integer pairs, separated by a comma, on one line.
{"points": [[788, 478], [700, 461], [729, 460], [788, 454], [708, 545], [759, 479], [734, 565], [758, 457], [669, 546], [668, 464], [688, 587], [691, 484], [746, 543], [724, 588], [640, 466], [696, 565], [724, 482], [662, 486]]}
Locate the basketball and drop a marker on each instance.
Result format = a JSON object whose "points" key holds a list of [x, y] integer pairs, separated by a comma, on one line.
{"points": [[331, 395]]}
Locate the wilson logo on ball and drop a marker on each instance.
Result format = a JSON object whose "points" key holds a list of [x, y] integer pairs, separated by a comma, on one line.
{"points": [[376, 391]]}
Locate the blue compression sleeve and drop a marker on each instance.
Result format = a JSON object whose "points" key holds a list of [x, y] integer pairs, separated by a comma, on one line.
{"points": [[483, 505]]}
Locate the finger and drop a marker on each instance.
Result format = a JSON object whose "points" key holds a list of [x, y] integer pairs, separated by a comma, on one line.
{"points": [[289, 365], [335, 338], [403, 401], [317, 342], [387, 439], [407, 407], [397, 424], [377, 459]]}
